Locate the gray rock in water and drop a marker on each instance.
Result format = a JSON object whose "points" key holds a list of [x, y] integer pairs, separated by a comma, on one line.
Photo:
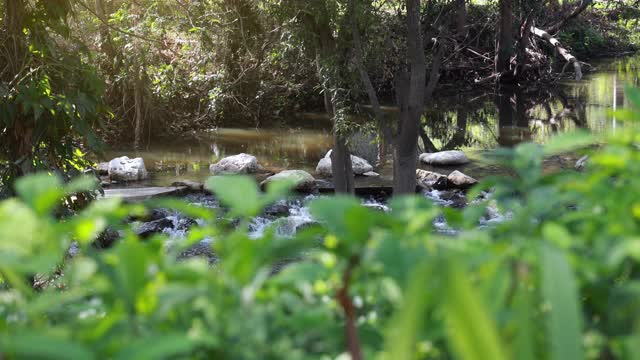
{"points": [[303, 181], [191, 185], [107, 238], [102, 168], [236, 164], [147, 229], [125, 169], [200, 249], [461, 181], [360, 166], [445, 158], [371, 174], [581, 164], [431, 179]]}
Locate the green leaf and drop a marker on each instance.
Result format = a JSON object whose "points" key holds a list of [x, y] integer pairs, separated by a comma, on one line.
{"points": [[157, 347], [568, 142], [239, 193], [402, 334], [81, 184], [28, 345], [42, 192], [633, 94], [564, 321], [471, 331]]}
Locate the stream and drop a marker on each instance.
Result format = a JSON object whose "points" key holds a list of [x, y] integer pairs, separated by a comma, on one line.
{"points": [[473, 122]]}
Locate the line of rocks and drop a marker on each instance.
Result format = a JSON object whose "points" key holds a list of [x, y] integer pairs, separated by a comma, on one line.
{"points": [[124, 169]]}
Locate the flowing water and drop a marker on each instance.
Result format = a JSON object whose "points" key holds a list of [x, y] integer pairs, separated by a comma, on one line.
{"points": [[474, 122]]}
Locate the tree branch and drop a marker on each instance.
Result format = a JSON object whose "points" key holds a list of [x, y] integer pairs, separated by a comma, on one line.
{"points": [[561, 51], [577, 11]]}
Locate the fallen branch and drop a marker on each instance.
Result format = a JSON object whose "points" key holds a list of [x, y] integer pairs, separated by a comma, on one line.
{"points": [[566, 55], [577, 11]]}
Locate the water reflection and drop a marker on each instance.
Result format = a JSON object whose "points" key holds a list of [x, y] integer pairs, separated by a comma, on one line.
{"points": [[190, 158], [474, 122]]}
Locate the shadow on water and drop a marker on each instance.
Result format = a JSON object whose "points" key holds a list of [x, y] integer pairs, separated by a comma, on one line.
{"points": [[474, 122]]}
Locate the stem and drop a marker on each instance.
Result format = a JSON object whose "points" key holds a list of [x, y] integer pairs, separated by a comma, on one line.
{"points": [[351, 331]]}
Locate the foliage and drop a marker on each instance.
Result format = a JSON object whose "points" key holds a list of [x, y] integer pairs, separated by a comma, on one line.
{"points": [[49, 95], [557, 279]]}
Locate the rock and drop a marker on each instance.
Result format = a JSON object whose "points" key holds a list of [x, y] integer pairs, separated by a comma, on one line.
{"points": [[143, 193], [107, 238], [276, 210], [236, 164], [125, 169], [454, 198], [445, 158], [364, 144], [306, 225], [147, 229], [582, 163], [460, 181], [431, 179], [360, 166], [324, 167], [102, 168], [371, 174], [190, 185], [303, 181], [200, 249], [324, 185]]}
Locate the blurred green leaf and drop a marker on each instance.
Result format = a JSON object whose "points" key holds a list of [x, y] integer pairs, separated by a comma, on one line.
{"points": [[559, 291], [239, 193], [42, 192], [29, 345], [567, 142], [471, 331]]}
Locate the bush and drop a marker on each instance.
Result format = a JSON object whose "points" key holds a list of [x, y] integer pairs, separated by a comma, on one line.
{"points": [[559, 279]]}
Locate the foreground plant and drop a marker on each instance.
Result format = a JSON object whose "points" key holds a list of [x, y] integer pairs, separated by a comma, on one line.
{"points": [[557, 280]]}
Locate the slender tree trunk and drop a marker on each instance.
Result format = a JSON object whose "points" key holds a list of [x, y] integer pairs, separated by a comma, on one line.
{"points": [[341, 167], [504, 48], [584, 4], [362, 70], [461, 18], [505, 119], [138, 97], [21, 130]]}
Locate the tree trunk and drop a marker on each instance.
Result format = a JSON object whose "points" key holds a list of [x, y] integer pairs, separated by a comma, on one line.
{"points": [[504, 48], [461, 18], [359, 59], [138, 97], [341, 167], [20, 132], [406, 151]]}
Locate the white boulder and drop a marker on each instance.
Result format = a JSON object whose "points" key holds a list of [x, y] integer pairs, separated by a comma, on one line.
{"points": [[461, 181], [431, 179], [445, 158], [359, 165], [304, 182], [236, 164], [125, 169]]}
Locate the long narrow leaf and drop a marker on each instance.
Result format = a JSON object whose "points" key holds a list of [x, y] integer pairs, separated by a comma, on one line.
{"points": [[559, 291], [471, 332]]}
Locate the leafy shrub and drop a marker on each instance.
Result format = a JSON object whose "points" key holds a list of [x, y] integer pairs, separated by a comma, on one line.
{"points": [[557, 280]]}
